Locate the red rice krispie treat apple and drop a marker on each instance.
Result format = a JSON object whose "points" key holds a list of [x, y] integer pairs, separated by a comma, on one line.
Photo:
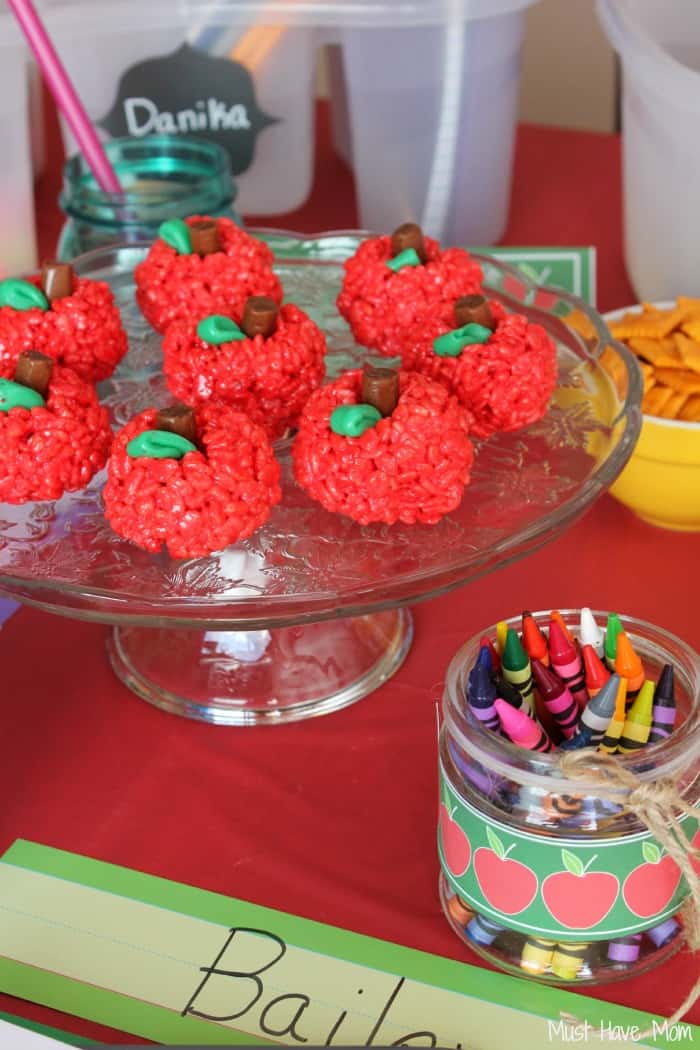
{"points": [[392, 283], [193, 480], [498, 364], [200, 266], [267, 367], [54, 434], [384, 446], [71, 319]]}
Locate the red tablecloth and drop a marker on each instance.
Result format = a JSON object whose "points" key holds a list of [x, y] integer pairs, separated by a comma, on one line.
{"points": [[87, 767]]}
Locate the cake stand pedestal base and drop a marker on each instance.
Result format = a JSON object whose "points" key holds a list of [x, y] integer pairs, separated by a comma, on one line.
{"points": [[261, 677]]}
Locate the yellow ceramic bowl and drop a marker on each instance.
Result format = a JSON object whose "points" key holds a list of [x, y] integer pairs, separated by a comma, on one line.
{"points": [[661, 482]]}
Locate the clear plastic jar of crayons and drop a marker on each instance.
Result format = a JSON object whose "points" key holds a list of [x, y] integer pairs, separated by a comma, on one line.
{"points": [[544, 875]]}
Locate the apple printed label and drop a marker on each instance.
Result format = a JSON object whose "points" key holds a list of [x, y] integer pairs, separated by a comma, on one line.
{"points": [[555, 885]]}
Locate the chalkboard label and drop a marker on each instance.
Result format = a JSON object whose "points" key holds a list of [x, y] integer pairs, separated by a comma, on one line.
{"points": [[190, 92]]}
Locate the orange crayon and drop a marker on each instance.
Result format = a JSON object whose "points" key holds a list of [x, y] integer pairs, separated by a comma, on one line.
{"points": [[534, 641], [628, 665], [595, 670]]}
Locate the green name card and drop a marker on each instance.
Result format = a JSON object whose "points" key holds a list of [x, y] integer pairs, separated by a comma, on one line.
{"points": [[180, 965]]}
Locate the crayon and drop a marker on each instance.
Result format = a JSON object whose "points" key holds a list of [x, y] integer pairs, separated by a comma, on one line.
{"points": [[563, 808], [483, 931], [610, 741], [595, 671], [517, 669], [486, 783], [567, 663], [508, 692], [663, 715], [612, 629], [536, 955], [637, 727], [481, 694], [501, 632], [625, 950], [485, 660], [595, 717], [459, 911], [568, 960], [558, 618], [628, 664], [664, 933], [521, 729], [556, 698], [495, 658], [534, 641], [590, 633]]}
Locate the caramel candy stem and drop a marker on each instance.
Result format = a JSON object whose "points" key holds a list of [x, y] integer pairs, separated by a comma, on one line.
{"points": [[57, 280], [34, 370], [178, 420], [408, 235], [259, 316], [204, 237], [380, 388], [474, 309]]}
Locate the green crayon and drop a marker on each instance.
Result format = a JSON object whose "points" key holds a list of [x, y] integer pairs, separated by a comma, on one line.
{"points": [[517, 669], [612, 629]]}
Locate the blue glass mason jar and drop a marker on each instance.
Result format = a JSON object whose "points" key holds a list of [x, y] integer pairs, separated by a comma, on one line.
{"points": [[162, 177]]}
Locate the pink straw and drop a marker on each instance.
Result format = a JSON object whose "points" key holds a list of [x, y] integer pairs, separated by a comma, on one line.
{"points": [[64, 95]]}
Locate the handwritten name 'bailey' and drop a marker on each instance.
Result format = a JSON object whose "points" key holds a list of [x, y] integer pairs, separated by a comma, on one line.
{"points": [[283, 1016]]}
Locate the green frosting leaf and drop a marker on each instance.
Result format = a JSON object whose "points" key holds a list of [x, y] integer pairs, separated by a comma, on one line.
{"points": [[22, 295], [176, 233], [452, 343], [409, 257], [159, 444], [14, 395], [353, 420], [218, 329]]}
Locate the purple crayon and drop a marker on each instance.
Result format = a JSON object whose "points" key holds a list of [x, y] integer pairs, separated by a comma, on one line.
{"points": [[663, 716], [625, 950], [481, 693], [556, 698], [664, 933]]}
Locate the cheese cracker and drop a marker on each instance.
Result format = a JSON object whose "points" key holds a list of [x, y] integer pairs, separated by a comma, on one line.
{"points": [[654, 401], [690, 412], [689, 351], [684, 382], [673, 406]]}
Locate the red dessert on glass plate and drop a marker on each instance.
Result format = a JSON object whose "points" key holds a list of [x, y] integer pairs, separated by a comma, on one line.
{"points": [[384, 446]]}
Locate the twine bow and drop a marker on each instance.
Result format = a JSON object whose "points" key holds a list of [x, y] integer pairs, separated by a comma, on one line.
{"points": [[658, 805]]}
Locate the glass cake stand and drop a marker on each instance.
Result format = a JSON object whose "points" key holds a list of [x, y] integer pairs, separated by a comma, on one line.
{"points": [[310, 613]]}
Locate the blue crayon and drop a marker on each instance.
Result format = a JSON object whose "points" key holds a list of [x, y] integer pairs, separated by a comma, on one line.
{"points": [[664, 933], [484, 659], [663, 712], [483, 931], [481, 693]]}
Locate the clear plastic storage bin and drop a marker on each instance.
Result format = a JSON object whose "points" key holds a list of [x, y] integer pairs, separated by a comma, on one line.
{"points": [[428, 91], [659, 44]]}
